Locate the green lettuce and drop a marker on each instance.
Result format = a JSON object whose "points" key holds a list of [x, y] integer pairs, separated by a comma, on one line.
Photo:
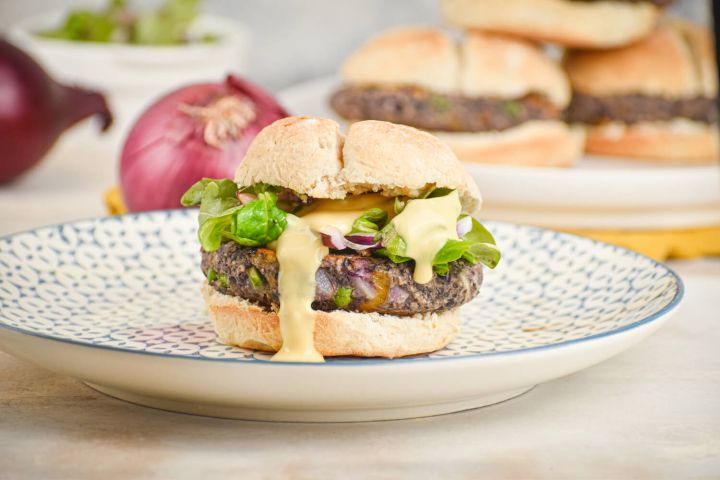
{"points": [[370, 222], [393, 245], [478, 245], [222, 217], [168, 24]]}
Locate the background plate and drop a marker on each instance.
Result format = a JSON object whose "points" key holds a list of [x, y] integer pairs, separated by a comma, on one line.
{"points": [[597, 193], [115, 301]]}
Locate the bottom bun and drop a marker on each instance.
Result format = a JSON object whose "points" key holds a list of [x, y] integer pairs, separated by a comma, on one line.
{"points": [[679, 141], [534, 144], [338, 333]]}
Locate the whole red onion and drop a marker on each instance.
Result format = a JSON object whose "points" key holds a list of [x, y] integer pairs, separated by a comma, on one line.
{"points": [[198, 131], [35, 110]]}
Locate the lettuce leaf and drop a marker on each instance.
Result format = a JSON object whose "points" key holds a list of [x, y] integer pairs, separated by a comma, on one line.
{"points": [[478, 245], [223, 218], [260, 220], [393, 245], [370, 222]]}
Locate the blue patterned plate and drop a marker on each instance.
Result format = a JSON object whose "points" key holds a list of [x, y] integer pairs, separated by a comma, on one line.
{"points": [[115, 302]]}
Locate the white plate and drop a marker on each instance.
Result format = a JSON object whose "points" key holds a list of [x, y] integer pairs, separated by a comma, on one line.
{"points": [[597, 193], [115, 302]]}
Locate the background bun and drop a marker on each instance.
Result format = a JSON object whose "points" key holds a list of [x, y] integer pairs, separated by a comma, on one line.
{"points": [[701, 43], [581, 24], [423, 56], [503, 67], [535, 144], [310, 156], [680, 141], [665, 63], [238, 322], [484, 65]]}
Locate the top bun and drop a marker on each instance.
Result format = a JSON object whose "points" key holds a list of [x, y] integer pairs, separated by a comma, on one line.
{"points": [[674, 61], [485, 65], [505, 67], [310, 156], [597, 24], [423, 56]]}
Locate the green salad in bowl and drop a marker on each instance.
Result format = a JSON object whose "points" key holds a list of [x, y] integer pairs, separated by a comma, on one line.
{"points": [[119, 22]]}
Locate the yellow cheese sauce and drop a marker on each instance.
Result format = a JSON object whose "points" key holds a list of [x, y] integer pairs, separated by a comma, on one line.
{"points": [[425, 225], [342, 213], [299, 252]]}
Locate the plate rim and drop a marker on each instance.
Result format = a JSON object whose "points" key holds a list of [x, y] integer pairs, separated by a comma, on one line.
{"points": [[342, 361]]}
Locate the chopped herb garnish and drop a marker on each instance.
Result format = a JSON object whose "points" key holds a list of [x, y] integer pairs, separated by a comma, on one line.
{"points": [[221, 279], [512, 108], [343, 297], [255, 278], [440, 102]]}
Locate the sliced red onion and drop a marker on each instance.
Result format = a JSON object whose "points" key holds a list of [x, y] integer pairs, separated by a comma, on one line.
{"points": [[361, 241], [332, 238], [364, 286], [464, 225], [246, 197]]}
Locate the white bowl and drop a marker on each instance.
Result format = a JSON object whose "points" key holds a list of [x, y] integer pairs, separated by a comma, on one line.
{"points": [[131, 76]]}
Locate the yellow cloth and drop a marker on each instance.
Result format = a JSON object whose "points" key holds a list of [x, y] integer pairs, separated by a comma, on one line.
{"points": [[662, 244], [114, 202], [657, 244]]}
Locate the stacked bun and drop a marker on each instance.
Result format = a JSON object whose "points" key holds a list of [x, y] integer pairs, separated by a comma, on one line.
{"points": [[572, 23], [653, 99], [492, 98]]}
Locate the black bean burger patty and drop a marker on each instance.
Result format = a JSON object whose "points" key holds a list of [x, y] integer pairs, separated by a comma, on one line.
{"points": [[378, 284], [594, 110], [421, 108]]}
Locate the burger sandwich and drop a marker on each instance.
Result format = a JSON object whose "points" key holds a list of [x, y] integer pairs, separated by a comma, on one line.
{"points": [[493, 99], [654, 99], [328, 245], [572, 23]]}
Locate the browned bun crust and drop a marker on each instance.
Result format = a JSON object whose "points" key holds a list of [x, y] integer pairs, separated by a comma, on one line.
{"points": [[598, 24], [483, 65], [339, 333], [671, 62], [670, 142], [532, 144]]}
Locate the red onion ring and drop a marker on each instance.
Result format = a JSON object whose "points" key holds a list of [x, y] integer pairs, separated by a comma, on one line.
{"points": [[464, 225]]}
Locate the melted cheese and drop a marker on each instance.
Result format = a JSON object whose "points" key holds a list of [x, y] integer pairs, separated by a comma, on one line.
{"points": [[425, 225], [342, 213], [299, 253]]}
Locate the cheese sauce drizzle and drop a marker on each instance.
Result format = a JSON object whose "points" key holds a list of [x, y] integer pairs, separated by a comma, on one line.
{"points": [[342, 213], [299, 252], [425, 225]]}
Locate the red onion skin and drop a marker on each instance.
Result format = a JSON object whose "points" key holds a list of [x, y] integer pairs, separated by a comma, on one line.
{"points": [[35, 110], [332, 238], [165, 152]]}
